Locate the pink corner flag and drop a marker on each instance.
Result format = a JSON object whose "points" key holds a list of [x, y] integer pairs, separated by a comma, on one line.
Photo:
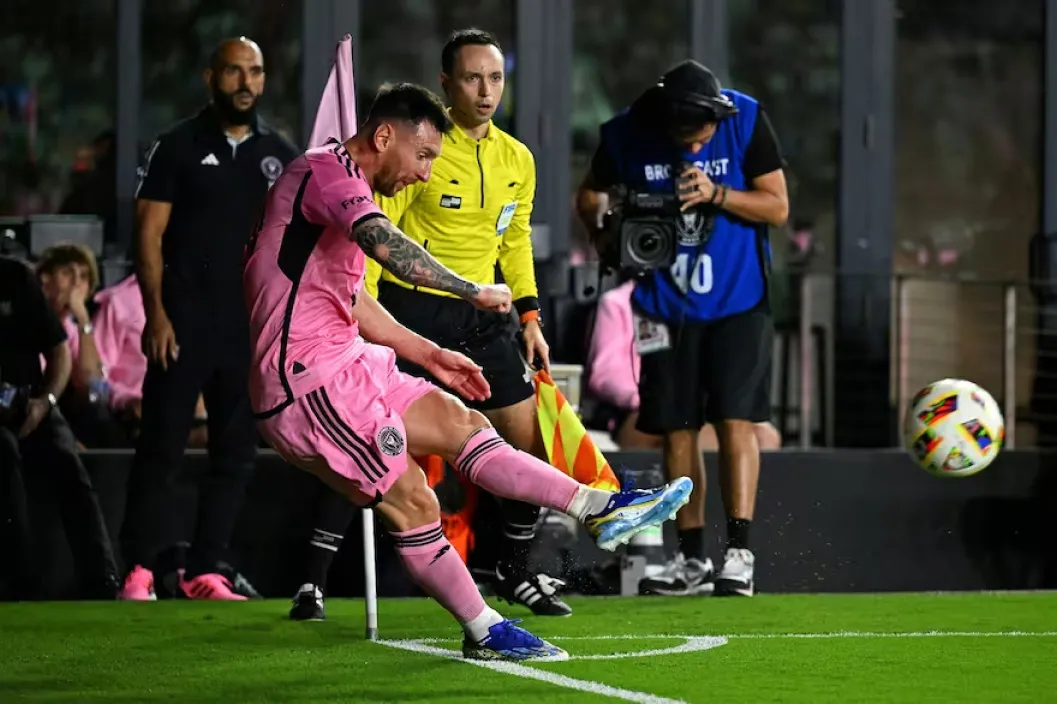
{"points": [[336, 114]]}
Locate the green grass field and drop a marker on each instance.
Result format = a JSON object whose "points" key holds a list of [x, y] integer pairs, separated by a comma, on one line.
{"points": [[865, 648]]}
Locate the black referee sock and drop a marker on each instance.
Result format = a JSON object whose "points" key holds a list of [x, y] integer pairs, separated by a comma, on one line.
{"points": [[691, 543], [738, 533], [333, 515], [519, 529]]}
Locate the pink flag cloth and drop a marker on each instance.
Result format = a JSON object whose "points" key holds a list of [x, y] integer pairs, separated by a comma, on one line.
{"points": [[336, 114]]}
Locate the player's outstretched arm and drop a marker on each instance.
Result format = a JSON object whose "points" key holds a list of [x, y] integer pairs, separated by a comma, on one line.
{"points": [[383, 241], [378, 326], [452, 369]]}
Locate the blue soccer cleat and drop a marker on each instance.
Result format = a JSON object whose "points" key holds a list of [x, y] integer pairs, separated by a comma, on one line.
{"points": [[629, 512], [507, 641]]}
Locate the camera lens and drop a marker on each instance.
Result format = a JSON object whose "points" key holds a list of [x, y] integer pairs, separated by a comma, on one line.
{"points": [[651, 246]]}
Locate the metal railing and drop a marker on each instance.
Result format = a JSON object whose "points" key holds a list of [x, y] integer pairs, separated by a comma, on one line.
{"points": [[984, 331]]}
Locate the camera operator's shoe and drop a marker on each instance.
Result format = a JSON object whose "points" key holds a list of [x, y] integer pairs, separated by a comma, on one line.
{"points": [[308, 604], [736, 577], [629, 512], [139, 585], [538, 592], [680, 577], [507, 641]]}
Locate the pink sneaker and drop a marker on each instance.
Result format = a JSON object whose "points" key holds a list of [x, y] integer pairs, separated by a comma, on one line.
{"points": [[139, 585], [209, 586]]}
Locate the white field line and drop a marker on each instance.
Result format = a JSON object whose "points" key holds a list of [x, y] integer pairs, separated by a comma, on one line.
{"points": [[690, 644], [532, 673]]}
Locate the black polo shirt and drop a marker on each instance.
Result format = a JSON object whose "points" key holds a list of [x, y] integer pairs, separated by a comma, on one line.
{"points": [[28, 325], [217, 189]]}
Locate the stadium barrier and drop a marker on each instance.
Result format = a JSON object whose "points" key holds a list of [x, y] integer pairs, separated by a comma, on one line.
{"points": [[827, 521], [1000, 334]]}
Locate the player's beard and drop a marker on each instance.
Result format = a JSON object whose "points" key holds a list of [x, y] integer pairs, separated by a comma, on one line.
{"points": [[388, 181], [229, 113]]}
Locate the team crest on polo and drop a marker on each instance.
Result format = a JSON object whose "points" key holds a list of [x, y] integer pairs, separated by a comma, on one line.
{"points": [[390, 441], [271, 167], [691, 227]]}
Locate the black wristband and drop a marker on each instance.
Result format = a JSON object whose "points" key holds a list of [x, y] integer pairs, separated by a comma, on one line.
{"points": [[526, 304]]}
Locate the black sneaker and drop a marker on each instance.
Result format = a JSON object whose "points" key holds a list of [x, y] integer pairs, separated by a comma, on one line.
{"points": [[539, 592], [736, 577], [308, 604], [239, 584], [681, 576]]}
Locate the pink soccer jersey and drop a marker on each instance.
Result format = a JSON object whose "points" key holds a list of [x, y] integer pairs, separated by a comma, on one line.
{"points": [[302, 274]]}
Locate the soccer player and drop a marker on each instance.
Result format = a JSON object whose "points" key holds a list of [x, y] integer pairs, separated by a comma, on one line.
{"points": [[334, 404]]}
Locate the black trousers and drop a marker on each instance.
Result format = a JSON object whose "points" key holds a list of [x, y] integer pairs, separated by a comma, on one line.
{"points": [[219, 370], [94, 424], [48, 459]]}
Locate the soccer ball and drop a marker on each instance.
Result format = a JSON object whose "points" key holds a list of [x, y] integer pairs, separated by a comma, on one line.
{"points": [[953, 428]]}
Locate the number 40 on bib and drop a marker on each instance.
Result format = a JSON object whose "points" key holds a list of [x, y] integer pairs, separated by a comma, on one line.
{"points": [[696, 278]]}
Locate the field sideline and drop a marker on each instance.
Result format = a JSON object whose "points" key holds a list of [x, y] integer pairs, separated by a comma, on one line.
{"points": [[990, 647]]}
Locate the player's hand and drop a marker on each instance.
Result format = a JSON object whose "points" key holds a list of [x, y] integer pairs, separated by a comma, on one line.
{"points": [[493, 297], [37, 409], [695, 188], [458, 373], [159, 340], [536, 345]]}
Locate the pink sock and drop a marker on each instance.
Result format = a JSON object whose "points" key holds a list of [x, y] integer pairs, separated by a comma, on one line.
{"points": [[488, 461], [436, 567]]}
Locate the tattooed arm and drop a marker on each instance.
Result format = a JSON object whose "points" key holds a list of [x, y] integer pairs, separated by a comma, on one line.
{"points": [[383, 241]]}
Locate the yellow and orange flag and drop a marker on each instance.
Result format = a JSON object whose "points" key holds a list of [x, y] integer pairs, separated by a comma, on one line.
{"points": [[569, 447]]}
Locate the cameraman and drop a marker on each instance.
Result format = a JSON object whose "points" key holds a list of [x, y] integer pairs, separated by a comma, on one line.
{"points": [[704, 330], [34, 437]]}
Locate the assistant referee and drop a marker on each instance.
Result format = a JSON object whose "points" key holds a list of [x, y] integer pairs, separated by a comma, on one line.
{"points": [[201, 194]]}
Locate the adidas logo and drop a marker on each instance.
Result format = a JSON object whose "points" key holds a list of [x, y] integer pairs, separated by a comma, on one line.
{"points": [[211, 160]]}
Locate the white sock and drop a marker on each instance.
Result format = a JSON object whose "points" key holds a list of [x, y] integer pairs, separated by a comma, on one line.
{"points": [[588, 502], [477, 628]]}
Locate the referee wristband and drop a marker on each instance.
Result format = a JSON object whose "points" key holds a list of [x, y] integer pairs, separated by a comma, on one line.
{"points": [[530, 315], [526, 304]]}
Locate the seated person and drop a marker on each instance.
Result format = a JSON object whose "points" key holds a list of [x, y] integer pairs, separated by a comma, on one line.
{"points": [[69, 276], [37, 449], [102, 401], [613, 372]]}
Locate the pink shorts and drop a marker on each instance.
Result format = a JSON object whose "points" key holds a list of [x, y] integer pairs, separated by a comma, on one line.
{"points": [[352, 425]]}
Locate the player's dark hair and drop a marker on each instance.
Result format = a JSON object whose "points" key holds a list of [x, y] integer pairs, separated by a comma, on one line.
{"points": [[407, 102], [461, 38]]}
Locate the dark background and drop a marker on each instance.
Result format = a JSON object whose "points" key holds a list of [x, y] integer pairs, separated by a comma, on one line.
{"points": [[832, 521]]}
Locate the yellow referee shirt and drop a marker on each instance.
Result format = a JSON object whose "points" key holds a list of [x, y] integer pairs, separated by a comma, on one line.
{"points": [[473, 212]]}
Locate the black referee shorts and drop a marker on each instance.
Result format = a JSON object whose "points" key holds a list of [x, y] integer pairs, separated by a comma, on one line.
{"points": [[710, 372], [489, 339]]}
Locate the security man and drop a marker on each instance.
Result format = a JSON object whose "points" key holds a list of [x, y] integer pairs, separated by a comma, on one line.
{"points": [[473, 213], [705, 330], [200, 195]]}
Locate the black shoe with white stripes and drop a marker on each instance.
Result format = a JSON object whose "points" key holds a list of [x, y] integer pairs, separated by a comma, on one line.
{"points": [[308, 604], [538, 592]]}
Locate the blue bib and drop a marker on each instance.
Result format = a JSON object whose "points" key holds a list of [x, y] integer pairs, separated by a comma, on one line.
{"points": [[714, 275]]}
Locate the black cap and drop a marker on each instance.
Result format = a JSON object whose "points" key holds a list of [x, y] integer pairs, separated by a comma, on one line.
{"points": [[693, 84]]}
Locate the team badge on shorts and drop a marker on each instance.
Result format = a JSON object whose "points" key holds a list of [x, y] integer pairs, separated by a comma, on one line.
{"points": [[390, 441], [271, 167]]}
